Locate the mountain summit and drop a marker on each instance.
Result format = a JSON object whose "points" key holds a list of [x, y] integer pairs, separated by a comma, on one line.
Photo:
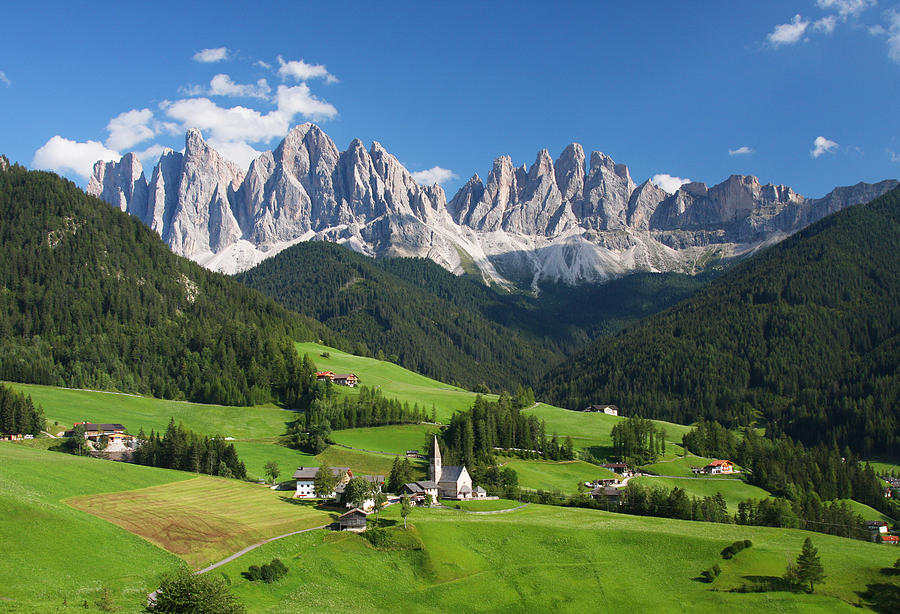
{"points": [[569, 220]]}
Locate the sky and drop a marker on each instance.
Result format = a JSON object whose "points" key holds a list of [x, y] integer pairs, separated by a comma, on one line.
{"points": [[804, 93]]}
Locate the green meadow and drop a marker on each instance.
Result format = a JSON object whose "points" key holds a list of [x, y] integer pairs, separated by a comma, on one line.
{"points": [[394, 381], [396, 439], [681, 467], [53, 552], [563, 476], [734, 491], [66, 406], [868, 513], [541, 559], [491, 505], [364, 463]]}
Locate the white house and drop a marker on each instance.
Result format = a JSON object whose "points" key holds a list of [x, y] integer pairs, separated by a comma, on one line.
{"points": [[306, 478], [454, 482]]}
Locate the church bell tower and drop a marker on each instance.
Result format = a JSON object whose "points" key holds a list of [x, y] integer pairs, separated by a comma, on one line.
{"points": [[434, 470]]}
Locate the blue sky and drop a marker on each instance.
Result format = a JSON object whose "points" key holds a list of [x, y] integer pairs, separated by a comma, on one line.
{"points": [[804, 93]]}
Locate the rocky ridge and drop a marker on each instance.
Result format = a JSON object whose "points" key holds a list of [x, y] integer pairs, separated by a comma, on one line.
{"points": [[570, 220]]}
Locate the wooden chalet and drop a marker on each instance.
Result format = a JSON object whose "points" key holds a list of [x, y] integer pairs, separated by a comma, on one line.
{"points": [[892, 540], [610, 410], [345, 379], [354, 520], [618, 468], [325, 376], [719, 466]]}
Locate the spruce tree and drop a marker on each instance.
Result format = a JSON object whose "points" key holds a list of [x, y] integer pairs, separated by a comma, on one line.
{"points": [[809, 567]]}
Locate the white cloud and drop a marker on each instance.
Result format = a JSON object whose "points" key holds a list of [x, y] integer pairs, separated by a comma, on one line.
{"points": [[895, 157], [433, 175], [239, 152], [225, 124], [788, 33], [262, 64], [222, 85], [151, 155], [877, 30], [846, 8], [130, 128], [298, 99], [4, 79], [826, 24], [299, 70], [668, 183], [821, 146], [62, 155], [740, 151], [893, 31], [207, 56]]}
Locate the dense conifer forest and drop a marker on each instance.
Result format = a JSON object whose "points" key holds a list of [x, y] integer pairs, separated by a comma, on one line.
{"points": [[92, 298], [803, 338], [181, 448], [18, 415], [454, 329]]}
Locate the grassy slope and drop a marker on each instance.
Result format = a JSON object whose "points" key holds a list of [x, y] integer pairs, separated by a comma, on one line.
{"points": [[552, 559], [52, 551], [681, 467], [395, 439], [563, 476], [67, 406], [394, 381], [364, 463], [868, 513], [483, 506], [734, 491], [204, 519], [592, 430]]}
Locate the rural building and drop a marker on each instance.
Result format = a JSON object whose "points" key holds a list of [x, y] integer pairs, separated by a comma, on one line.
{"points": [[412, 454], [454, 482], [419, 492], [354, 520], [608, 494], [602, 483], [893, 540], [325, 376], [719, 466], [610, 410], [345, 379], [306, 478], [877, 526], [618, 468], [92, 430], [12, 437]]}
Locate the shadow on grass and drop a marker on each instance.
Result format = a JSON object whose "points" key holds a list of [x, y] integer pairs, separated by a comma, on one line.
{"points": [[882, 597], [765, 584]]}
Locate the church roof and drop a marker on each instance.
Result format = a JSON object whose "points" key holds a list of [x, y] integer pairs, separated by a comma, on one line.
{"points": [[451, 473]]}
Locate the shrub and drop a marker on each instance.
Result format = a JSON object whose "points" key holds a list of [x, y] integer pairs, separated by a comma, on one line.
{"points": [[268, 573], [712, 573], [736, 547]]}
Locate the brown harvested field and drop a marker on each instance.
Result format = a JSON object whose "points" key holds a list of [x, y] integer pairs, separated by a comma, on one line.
{"points": [[203, 519]]}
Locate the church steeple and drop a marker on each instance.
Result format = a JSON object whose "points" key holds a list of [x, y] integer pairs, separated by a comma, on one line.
{"points": [[435, 469]]}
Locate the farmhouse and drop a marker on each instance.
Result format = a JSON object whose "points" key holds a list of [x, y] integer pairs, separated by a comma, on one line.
{"points": [[454, 482], [306, 477], [412, 454], [421, 492], [325, 376], [345, 379], [877, 526], [610, 410], [606, 493], [354, 520], [719, 466], [12, 437], [92, 430], [893, 540]]}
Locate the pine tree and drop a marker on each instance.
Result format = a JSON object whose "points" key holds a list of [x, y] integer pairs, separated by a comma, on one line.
{"points": [[809, 567]]}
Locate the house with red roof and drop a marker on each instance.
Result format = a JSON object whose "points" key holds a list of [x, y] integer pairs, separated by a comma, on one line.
{"points": [[719, 466]]}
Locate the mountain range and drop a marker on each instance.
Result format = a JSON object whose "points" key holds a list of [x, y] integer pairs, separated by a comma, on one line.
{"points": [[567, 220]]}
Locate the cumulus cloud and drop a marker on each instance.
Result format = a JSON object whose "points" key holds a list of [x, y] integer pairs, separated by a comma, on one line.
{"points": [[208, 56], [62, 155], [826, 24], [4, 79], [822, 146], [130, 128], [298, 70], [668, 183], [740, 151], [846, 8], [222, 85], [788, 33], [239, 152], [893, 32], [433, 175], [298, 99]]}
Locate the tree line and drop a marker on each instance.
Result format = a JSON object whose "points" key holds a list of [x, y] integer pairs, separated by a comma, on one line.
{"points": [[181, 448], [18, 415], [92, 298], [803, 337]]}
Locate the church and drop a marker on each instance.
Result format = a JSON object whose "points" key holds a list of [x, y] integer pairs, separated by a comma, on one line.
{"points": [[454, 482]]}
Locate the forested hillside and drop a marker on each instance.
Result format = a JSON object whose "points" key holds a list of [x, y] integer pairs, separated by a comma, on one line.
{"points": [[804, 337], [455, 329], [90, 297]]}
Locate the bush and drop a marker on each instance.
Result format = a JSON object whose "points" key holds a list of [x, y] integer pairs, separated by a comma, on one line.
{"points": [[736, 547], [712, 573], [268, 573]]}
